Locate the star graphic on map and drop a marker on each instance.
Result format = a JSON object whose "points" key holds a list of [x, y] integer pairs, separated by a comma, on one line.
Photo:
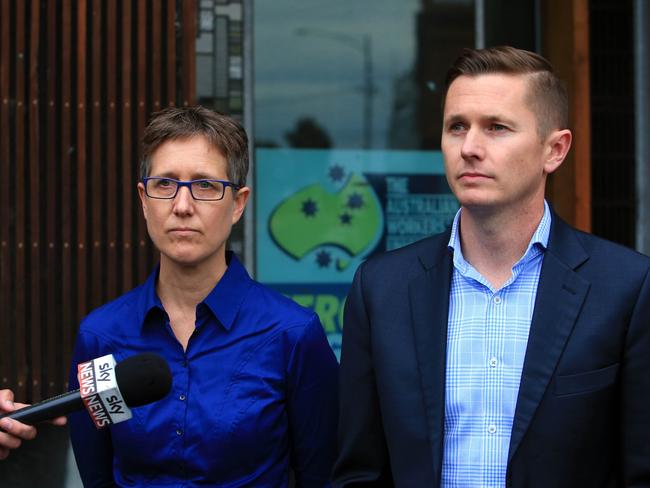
{"points": [[337, 173], [323, 259], [309, 208], [346, 218], [355, 201]]}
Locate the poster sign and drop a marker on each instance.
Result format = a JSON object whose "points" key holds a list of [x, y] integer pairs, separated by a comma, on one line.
{"points": [[320, 213]]}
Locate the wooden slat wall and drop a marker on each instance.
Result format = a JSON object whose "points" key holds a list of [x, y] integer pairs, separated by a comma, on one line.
{"points": [[78, 81]]}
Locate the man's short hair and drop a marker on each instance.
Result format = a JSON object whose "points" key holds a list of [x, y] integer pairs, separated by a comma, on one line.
{"points": [[222, 132], [547, 95]]}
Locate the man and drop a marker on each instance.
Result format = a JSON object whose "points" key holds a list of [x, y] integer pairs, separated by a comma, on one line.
{"points": [[512, 350], [12, 432], [254, 390]]}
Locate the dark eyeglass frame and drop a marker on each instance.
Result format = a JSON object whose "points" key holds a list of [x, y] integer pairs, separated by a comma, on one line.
{"points": [[188, 184]]}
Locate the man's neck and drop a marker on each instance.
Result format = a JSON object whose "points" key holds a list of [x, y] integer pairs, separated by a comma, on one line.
{"points": [[492, 242]]}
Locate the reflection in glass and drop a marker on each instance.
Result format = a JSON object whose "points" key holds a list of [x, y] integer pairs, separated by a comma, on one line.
{"points": [[364, 74]]}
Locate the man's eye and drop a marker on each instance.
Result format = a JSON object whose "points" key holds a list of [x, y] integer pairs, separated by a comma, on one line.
{"points": [[204, 185], [165, 183], [456, 127], [498, 128]]}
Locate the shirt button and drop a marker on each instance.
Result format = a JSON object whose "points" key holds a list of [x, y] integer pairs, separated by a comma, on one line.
{"points": [[492, 429], [493, 362], [184, 363], [181, 397], [497, 299], [179, 432]]}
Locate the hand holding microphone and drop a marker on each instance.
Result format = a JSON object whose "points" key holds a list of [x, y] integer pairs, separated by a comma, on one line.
{"points": [[107, 390], [12, 433]]}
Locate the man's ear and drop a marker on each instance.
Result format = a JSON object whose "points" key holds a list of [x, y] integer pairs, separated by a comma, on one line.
{"points": [[557, 144], [240, 200], [143, 199]]}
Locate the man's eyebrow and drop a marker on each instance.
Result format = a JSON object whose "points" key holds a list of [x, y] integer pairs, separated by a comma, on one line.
{"points": [[453, 118], [484, 118], [498, 118]]}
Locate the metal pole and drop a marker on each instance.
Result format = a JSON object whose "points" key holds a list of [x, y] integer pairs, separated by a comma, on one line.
{"points": [[249, 215], [479, 23], [368, 92], [642, 125]]}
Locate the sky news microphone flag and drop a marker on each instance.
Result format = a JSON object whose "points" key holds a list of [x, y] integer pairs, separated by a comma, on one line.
{"points": [[107, 390]]}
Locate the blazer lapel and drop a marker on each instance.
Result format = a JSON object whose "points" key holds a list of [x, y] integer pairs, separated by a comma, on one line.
{"points": [[429, 301], [560, 294]]}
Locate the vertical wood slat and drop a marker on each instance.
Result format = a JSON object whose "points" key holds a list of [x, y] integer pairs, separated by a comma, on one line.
{"points": [[171, 53], [54, 137], [113, 192], [34, 195], [128, 237], [67, 316], [19, 182], [582, 104], [81, 176], [141, 96], [96, 185], [189, 29], [566, 45], [54, 292], [156, 75], [5, 242]]}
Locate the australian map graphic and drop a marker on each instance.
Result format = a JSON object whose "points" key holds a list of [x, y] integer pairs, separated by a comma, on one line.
{"points": [[317, 220]]}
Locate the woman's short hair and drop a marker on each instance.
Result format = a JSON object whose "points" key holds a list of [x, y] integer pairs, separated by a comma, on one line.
{"points": [[221, 131]]}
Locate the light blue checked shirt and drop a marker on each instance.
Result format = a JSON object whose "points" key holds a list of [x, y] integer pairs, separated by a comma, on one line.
{"points": [[486, 344]]}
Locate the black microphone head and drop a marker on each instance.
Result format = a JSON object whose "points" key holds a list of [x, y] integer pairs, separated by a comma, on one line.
{"points": [[143, 378]]}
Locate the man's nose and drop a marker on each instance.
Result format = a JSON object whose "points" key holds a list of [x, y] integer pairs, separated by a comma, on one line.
{"points": [[473, 146]]}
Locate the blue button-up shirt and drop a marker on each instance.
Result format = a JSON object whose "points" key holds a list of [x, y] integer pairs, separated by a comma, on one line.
{"points": [[486, 344], [254, 393]]}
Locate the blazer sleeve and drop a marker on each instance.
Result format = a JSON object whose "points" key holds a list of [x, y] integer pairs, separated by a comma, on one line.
{"points": [[92, 447], [363, 454], [635, 395]]}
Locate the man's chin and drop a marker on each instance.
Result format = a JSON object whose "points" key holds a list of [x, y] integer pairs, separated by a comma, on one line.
{"points": [[476, 200]]}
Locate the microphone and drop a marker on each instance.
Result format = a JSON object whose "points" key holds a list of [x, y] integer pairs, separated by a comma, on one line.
{"points": [[106, 390]]}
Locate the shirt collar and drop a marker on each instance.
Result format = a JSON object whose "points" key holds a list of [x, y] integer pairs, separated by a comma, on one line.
{"points": [[224, 300], [540, 237]]}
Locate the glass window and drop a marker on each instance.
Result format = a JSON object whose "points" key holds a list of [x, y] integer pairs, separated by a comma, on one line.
{"points": [[364, 74], [347, 134]]}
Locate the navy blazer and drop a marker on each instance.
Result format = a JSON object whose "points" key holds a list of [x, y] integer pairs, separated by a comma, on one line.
{"points": [[583, 411]]}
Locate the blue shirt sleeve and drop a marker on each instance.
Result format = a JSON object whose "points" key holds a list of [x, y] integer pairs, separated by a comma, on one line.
{"points": [[92, 447], [312, 406]]}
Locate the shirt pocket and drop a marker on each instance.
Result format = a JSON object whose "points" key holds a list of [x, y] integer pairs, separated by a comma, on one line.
{"points": [[586, 382]]}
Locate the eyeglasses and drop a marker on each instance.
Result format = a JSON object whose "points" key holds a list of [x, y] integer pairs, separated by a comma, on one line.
{"points": [[167, 188]]}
